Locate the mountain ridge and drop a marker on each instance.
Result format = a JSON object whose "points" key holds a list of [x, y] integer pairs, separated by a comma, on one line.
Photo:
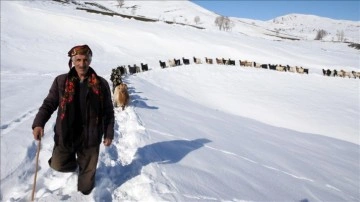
{"points": [[291, 26]]}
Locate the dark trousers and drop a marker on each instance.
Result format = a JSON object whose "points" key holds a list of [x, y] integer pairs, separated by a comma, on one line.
{"points": [[66, 159]]}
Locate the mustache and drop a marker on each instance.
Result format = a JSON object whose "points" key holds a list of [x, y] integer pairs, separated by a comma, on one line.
{"points": [[83, 67]]}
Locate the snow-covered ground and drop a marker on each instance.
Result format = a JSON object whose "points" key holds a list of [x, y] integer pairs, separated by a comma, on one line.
{"points": [[195, 132]]}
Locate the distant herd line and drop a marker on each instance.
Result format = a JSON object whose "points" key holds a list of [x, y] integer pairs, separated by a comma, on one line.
{"points": [[122, 70]]}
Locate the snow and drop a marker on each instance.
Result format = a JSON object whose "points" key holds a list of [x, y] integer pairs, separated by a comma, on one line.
{"points": [[195, 132]]}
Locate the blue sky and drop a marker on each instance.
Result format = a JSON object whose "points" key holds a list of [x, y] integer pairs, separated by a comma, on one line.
{"points": [[267, 10]]}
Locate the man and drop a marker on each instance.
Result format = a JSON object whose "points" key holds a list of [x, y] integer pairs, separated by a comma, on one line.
{"points": [[85, 114]]}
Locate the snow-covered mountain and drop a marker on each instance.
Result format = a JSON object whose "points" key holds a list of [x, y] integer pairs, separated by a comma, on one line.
{"points": [[292, 26], [197, 132], [306, 27]]}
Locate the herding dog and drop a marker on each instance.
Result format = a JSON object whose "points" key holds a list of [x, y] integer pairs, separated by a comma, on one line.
{"points": [[121, 96]]}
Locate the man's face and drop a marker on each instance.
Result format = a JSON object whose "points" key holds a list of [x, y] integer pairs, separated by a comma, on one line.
{"points": [[81, 63]]}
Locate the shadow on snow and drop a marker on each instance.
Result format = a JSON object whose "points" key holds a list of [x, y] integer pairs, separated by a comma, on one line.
{"points": [[108, 177]]}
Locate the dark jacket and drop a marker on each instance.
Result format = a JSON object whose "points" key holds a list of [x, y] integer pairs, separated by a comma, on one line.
{"points": [[96, 125]]}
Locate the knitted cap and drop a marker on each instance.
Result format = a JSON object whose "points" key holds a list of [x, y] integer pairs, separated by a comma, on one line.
{"points": [[79, 50]]}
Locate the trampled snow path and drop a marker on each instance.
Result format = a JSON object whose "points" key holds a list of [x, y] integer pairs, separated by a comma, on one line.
{"points": [[119, 173]]}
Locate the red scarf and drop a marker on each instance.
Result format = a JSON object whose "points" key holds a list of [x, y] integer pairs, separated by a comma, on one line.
{"points": [[71, 81]]}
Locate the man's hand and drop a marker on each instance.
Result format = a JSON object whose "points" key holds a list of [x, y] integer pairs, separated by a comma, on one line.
{"points": [[38, 133], [107, 142]]}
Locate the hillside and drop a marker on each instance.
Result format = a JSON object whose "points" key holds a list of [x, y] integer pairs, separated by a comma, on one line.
{"points": [[197, 132], [293, 26]]}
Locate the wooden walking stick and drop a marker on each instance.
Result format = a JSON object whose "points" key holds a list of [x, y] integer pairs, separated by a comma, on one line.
{"points": [[36, 169]]}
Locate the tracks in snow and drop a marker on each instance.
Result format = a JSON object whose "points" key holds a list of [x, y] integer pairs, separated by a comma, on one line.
{"points": [[121, 174], [7, 127]]}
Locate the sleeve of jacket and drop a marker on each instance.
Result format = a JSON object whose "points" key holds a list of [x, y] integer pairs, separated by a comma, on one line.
{"points": [[50, 104], [108, 118]]}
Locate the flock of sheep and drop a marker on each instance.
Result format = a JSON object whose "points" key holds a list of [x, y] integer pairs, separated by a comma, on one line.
{"points": [[121, 70], [341, 73], [244, 63]]}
